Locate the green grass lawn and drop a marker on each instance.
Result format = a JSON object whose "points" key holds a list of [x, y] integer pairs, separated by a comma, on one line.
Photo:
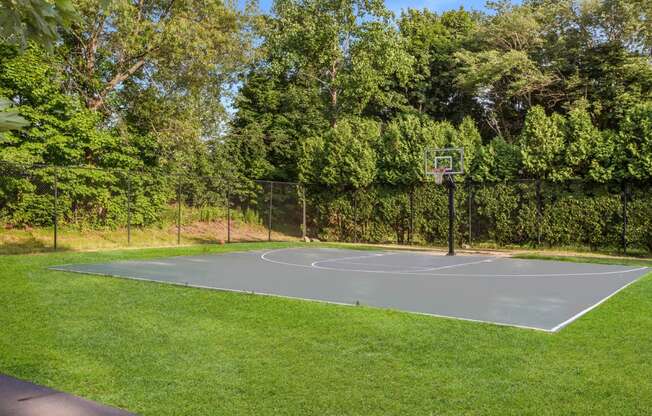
{"points": [[159, 349]]}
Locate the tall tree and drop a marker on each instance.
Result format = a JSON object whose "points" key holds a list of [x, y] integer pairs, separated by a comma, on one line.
{"points": [[182, 46], [432, 40], [348, 49], [24, 21]]}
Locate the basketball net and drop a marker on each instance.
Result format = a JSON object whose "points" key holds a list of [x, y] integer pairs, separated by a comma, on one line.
{"points": [[438, 173]]}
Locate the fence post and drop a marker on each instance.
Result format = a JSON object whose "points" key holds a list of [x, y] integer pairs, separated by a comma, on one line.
{"points": [[470, 213], [128, 209], [228, 213], [178, 209], [411, 230], [539, 211], [304, 231], [624, 231], [269, 218], [355, 216], [56, 209]]}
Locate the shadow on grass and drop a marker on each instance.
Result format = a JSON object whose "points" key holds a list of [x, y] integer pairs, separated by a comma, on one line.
{"points": [[29, 244]]}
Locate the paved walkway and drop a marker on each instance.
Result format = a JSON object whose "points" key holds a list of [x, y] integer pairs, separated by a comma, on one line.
{"points": [[20, 398]]}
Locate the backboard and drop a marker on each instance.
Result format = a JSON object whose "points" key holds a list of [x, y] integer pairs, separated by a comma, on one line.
{"points": [[450, 160]]}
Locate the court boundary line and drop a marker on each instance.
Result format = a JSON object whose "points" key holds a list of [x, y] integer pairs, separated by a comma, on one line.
{"points": [[590, 308], [249, 292], [440, 275], [554, 329]]}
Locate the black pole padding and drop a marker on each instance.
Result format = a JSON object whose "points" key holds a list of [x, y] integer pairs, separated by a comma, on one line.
{"points": [[450, 183]]}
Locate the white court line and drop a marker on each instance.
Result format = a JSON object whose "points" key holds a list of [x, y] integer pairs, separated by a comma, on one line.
{"points": [[156, 263], [418, 269], [265, 257], [250, 292], [314, 263], [590, 308], [452, 266]]}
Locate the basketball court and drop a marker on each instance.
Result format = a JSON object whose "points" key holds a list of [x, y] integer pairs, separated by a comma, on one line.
{"points": [[534, 294]]}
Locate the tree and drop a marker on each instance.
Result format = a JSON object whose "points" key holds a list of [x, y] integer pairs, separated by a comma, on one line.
{"points": [[542, 144], [468, 138], [61, 130], [401, 150], [22, 21], [503, 74], [344, 157], [181, 47], [347, 49], [432, 40], [496, 161], [635, 143], [280, 113], [582, 141]]}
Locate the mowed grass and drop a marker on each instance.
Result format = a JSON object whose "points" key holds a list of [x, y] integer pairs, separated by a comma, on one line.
{"points": [[159, 349]]}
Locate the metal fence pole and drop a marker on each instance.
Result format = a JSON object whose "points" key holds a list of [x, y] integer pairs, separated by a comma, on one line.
{"points": [[179, 210], [450, 184], [470, 213], [624, 231], [355, 216], [228, 214], [56, 209], [411, 229], [539, 210], [128, 210], [269, 218], [304, 231]]}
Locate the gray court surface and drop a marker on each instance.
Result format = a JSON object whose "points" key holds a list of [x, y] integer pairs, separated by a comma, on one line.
{"points": [[536, 294]]}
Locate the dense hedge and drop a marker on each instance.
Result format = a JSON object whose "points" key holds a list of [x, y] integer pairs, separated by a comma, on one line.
{"points": [[523, 213]]}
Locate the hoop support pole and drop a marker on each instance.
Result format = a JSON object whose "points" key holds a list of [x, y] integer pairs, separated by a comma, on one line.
{"points": [[450, 184]]}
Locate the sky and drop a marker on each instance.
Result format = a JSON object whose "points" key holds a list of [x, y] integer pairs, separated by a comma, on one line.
{"points": [[397, 5]]}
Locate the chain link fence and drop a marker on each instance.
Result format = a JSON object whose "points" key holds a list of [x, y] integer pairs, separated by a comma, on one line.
{"points": [[78, 208], [525, 213]]}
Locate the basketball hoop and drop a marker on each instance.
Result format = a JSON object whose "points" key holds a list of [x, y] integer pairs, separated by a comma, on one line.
{"points": [[438, 173]]}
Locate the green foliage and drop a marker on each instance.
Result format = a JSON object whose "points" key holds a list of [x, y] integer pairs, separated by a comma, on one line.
{"points": [[62, 131], [9, 118], [542, 144], [432, 40], [635, 136], [345, 157], [348, 50], [401, 149], [496, 161], [22, 21]]}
